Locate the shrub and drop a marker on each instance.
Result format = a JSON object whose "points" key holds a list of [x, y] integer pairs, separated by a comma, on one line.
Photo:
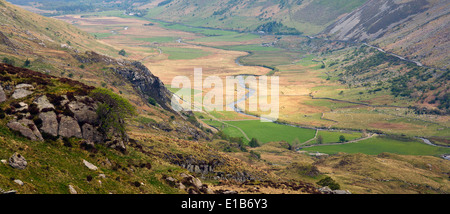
{"points": [[328, 181], [254, 143], [122, 52], [152, 101]]}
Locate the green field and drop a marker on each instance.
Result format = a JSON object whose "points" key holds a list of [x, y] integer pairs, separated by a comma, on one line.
{"points": [[228, 38], [377, 145], [271, 132], [183, 53]]}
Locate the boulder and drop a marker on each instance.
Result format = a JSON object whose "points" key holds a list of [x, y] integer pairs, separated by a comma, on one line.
{"points": [[22, 90], [17, 161], [72, 190], [27, 128], [20, 93], [49, 123], [68, 127], [43, 103], [91, 134], [2, 95], [17, 181], [90, 165], [83, 113]]}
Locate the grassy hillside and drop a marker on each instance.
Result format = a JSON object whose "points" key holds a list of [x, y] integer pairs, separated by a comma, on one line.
{"points": [[246, 15]]}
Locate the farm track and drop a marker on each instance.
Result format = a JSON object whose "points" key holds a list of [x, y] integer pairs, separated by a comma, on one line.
{"points": [[347, 142]]}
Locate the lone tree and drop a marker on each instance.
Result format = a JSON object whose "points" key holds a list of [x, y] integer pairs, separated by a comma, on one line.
{"points": [[342, 138], [319, 139], [112, 112], [253, 143], [122, 52]]}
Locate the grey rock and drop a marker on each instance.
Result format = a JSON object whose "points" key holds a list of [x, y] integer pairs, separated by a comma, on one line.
{"points": [[20, 93], [117, 144], [327, 190], [65, 100], [2, 95], [230, 192], [22, 107], [43, 103], [27, 128], [24, 86], [72, 190], [91, 134], [17, 161], [10, 192], [90, 165], [49, 123], [17, 181], [83, 113], [341, 192], [68, 127]]}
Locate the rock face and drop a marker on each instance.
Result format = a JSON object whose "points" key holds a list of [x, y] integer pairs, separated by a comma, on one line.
{"points": [[68, 127], [2, 95], [17, 161], [49, 123], [147, 84], [27, 128]]}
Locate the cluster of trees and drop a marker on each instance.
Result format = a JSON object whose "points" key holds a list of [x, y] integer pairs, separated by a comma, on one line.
{"points": [[277, 28]]}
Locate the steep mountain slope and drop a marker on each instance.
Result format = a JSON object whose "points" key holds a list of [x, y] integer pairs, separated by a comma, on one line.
{"points": [[415, 29], [51, 142], [306, 16]]}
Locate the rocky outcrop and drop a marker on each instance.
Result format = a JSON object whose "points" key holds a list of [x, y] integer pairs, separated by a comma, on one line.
{"points": [[189, 183], [327, 190], [17, 161], [374, 19], [144, 82]]}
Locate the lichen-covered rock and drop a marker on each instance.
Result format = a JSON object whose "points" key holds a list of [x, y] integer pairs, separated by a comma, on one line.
{"points": [[17, 161], [68, 127], [22, 90], [21, 93], [91, 134], [49, 123], [2, 95], [27, 128], [43, 103], [83, 113]]}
